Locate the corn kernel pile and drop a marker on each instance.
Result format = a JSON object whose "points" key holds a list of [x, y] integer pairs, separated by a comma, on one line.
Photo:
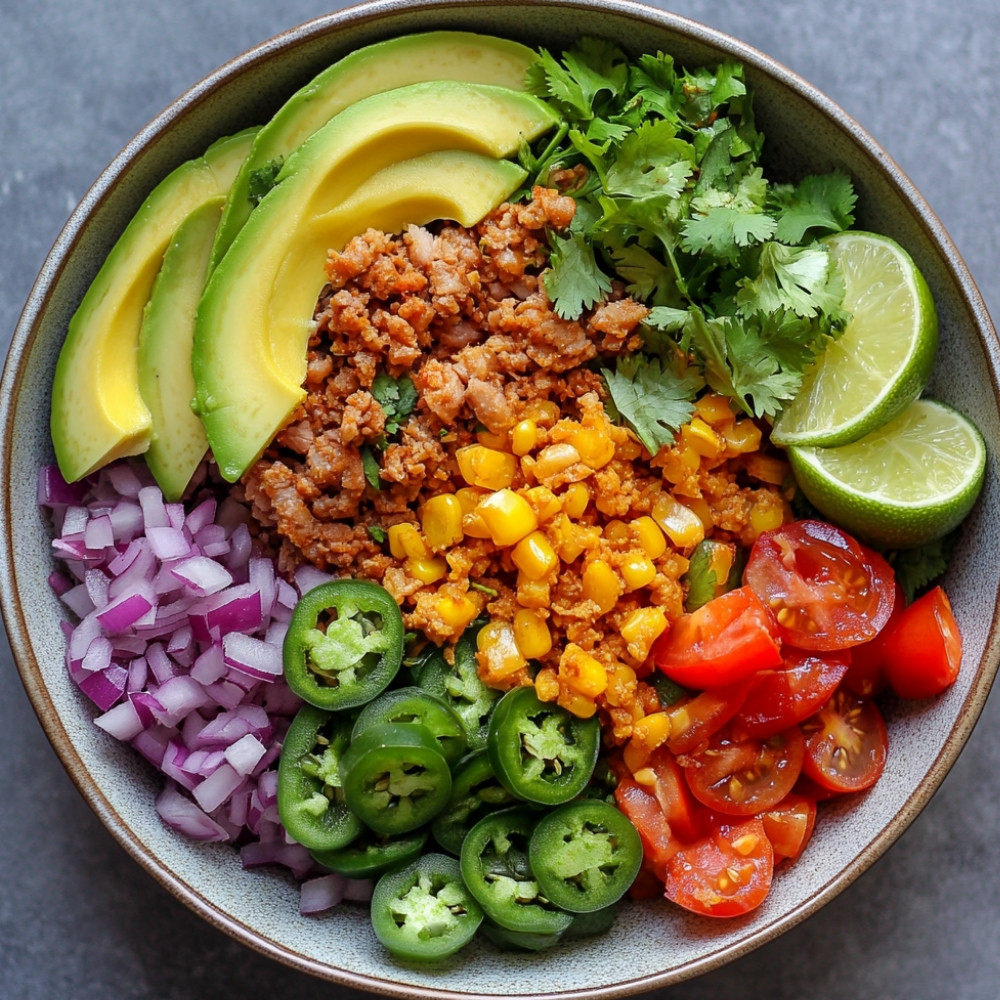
{"points": [[574, 541]]}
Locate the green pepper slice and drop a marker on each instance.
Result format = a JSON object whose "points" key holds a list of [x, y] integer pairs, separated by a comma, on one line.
{"points": [[413, 704], [507, 940], [395, 777], [475, 791], [371, 854], [311, 801], [539, 750], [585, 855], [497, 871], [460, 685], [424, 911], [344, 644]]}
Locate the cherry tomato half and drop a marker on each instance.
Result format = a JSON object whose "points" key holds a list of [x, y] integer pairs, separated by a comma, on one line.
{"points": [[846, 743], [781, 698], [742, 777], [725, 641], [664, 777], [865, 675], [726, 873], [826, 591], [693, 720], [923, 652], [659, 844], [789, 825]]}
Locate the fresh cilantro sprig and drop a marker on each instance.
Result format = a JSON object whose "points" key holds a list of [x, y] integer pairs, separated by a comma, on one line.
{"points": [[398, 398], [677, 208]]}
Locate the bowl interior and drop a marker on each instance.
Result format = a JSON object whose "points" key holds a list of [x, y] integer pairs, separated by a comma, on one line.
{"points": [[653, 945]]}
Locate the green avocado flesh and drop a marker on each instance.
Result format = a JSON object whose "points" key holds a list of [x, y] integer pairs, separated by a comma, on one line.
{"points": [[98, 413], [397, 62], [256, 315], [178, 442]]}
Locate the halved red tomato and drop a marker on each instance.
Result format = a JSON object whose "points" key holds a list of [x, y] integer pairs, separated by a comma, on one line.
{"points": [[781, 698], [724, 874], [846, 743], [694, 720], [742, 777], [789, 825], [659, 844], [865, 675], [826, 591], [725, 641], [664, 777], [923, 652]]}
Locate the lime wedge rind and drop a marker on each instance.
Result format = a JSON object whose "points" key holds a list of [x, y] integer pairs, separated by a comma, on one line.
{"points": [[907, 483], [881, 362]]}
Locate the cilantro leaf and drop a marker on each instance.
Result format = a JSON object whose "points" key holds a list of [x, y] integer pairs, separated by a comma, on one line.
{"points": [[822, 202], [700, 578], [651, 162], [397, 397], [653, 399], [371, 467], [758, 362], [917, 568], [802, 279], [574, 281]]}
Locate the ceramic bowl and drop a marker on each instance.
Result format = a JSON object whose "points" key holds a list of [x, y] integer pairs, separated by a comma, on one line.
{"points": [[652, 944]]}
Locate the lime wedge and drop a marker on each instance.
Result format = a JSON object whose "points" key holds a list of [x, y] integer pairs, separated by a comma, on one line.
{"points": [[904, 484], [883, 359]]}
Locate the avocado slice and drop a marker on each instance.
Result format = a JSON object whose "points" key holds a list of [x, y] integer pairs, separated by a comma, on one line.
{"points": [[98, 413], [396, 62], [248, 385], [178, 442]]}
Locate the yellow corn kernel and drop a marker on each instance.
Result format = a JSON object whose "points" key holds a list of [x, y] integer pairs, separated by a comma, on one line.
{"points": [[499, 655], [637, 570], [553, 459], [543, 502], [649, 536], [601, 584], [577, 704], [533, 593], [651, 730], [743, 436], [469, 497], [441, 521], [457, 611], [496, 441], [524, 437], [714, 409], [768, 512], [702, 439], [508, 516], [575, 499], [635, 757], [594, 446], [534, 556], [616, 531], [641, 629], [486, 467], [584, 673], [571, 540], [531, 633], [700, 506], [628, 448], [679, 523], [544, 412], [474, 526], [405, 542], [621, 685], [767, 468], [427, 570], [546, 684], [720, 561]]}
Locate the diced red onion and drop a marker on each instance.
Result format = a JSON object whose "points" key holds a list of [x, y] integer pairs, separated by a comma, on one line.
{"points": [[185, 816], [122, 721], [105, 687], [254, 657], [244, 754], [217, 787], [317, 895]]}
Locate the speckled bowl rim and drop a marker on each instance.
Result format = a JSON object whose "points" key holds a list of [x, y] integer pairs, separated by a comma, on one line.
{"points": [[21, 346]]}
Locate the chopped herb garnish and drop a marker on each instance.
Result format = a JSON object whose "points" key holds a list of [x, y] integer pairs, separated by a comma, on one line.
{"points": [[263, 179]]}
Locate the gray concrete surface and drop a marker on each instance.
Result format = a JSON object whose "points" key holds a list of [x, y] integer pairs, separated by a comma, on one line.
{"points": [[78, 919]]}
